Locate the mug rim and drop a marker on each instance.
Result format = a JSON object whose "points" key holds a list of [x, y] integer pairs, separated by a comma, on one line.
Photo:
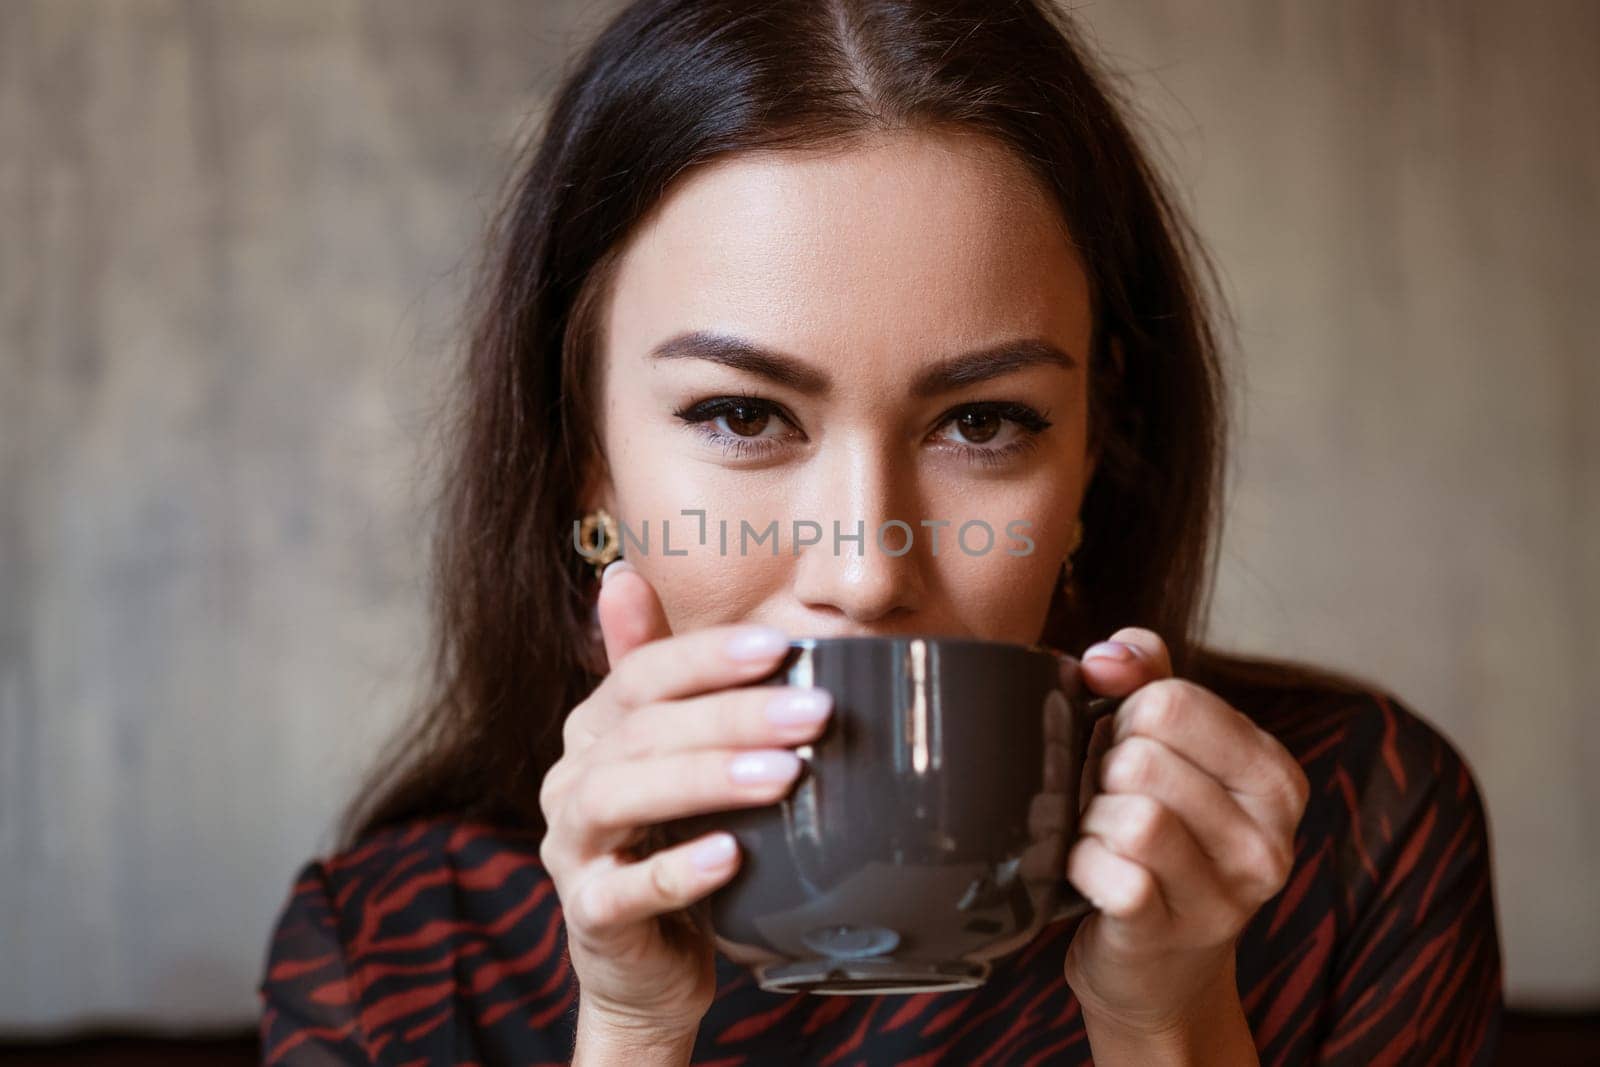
{"points": [[812, 641]]}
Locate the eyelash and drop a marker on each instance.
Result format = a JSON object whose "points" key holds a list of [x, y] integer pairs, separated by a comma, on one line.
{"points": [[700, 415]]}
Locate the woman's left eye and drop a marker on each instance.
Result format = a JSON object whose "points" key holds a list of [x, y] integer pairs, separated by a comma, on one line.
{"points": [[978, 425]]}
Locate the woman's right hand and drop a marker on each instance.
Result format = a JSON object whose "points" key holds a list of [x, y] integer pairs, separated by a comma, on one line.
{"points": [[662, 736]]}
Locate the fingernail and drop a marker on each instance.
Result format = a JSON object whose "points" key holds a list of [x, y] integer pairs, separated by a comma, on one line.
{"points": [[756, 642], [775, 765], [798, 706], [1112, 650], [612, 567], [709, 855]]}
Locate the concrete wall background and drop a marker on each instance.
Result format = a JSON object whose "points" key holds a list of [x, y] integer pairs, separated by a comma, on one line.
{"points": [[232, 242]]}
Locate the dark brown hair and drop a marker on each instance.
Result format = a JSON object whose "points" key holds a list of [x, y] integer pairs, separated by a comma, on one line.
{"points": [[671, 84]]}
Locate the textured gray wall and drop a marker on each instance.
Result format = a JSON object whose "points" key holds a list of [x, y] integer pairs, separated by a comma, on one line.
{"points": [[234, 236], [232, 243]]}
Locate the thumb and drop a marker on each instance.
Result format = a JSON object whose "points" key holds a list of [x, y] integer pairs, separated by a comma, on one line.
{"points": [[629, 612]]}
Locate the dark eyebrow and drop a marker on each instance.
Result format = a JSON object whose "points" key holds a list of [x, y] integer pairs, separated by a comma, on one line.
{"points": [[980, 365], [947, 375], [742, 355]]}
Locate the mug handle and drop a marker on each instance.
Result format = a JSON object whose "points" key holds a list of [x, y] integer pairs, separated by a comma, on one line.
{"points": [[1070, 903]]}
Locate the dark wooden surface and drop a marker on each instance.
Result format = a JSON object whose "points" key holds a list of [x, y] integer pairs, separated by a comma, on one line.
{"points": [[1548, 1040]]}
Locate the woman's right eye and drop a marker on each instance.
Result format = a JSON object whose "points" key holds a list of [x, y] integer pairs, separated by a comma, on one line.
{"points": [[734, 423]]}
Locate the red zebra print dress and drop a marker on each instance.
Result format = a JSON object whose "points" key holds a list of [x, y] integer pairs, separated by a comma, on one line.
{"points": [[441, 942]]}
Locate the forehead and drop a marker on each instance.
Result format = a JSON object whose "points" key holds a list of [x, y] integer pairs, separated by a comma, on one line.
{"points": [[919, 240]]}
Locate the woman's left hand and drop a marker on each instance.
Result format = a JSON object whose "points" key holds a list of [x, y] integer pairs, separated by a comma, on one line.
{"points": [[1192, 831]]}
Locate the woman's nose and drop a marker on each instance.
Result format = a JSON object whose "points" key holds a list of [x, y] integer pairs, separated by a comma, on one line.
{"points": [[866, 562]]}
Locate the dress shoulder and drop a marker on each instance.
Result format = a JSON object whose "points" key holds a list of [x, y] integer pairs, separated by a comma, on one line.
{"points": [[428, 940]]}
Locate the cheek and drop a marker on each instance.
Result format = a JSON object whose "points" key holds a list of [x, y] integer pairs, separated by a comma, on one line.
{"points": [[1032, 514], [704, 588], [997, 595], [699, 584]]}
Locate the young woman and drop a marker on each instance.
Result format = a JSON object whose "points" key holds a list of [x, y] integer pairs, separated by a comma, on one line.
{"points": [[847, 262]]}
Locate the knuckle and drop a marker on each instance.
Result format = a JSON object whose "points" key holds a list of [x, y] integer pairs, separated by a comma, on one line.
{"points": [[594, 905], [639, 673], [555, 781], [1130, 764], [1284, 779], [1261, 776], [1280, 770], [1299, 788], [1158, 708], [546, 850], [570, 729], [631, 738], [1145, 825], [627, 681], [1282, 863], [1282, 867], [663, 880], [1267, 864], [587, 806]]}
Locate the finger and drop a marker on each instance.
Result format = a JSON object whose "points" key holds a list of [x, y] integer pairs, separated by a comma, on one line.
{"points": [[690, 664], [1247, 856], [744, 717], [612, 801], [750, 716], [713, 658], [1146, 832], [1131, 658], [617, 894], [1119, 888], [1220, 740], [630, 613]]}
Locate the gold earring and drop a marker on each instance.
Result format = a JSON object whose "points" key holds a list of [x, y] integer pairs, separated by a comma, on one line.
{"points": [[1066, 566], [610, 545]]}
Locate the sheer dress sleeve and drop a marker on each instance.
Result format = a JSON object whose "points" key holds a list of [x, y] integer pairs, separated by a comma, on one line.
{"points": [[1417, 978], [308, 1008]]}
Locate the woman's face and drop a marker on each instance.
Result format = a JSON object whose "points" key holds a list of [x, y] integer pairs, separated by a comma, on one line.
{"points": [[895, 332]]}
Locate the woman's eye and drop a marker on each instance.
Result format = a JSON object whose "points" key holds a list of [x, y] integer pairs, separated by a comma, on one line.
{"points": [[978, 427], [734, 423], [993, 433], [745, 420]]}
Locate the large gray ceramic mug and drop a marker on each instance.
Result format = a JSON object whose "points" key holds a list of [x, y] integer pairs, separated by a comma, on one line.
{"points": [[928, 830]]}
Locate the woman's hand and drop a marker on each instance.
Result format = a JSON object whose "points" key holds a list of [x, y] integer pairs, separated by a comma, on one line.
{"points": [[665, 734], [1192, 831]]}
